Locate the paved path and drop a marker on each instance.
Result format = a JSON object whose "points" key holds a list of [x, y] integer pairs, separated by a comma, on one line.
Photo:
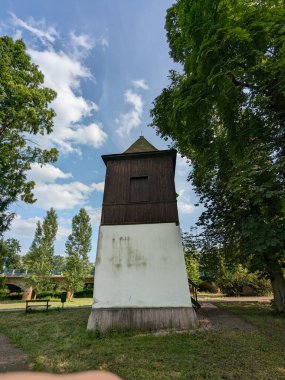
{"points": [[211, 317], [11, 358], [234, 299]]}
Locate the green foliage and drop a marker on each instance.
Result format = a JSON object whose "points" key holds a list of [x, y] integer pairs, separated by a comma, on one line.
{"points": [[78, 246], [210, 287], [192, 269], [232, 282], [225, 111], [10, 254], [24, 113], [58, 263], [219, 271], [3, 287], [40, 256], [49, 294], [85, 293], [192, 259]]}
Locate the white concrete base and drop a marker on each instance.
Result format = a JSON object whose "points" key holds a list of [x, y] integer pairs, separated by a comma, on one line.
{"points": [[142, 319], [140, 267]]}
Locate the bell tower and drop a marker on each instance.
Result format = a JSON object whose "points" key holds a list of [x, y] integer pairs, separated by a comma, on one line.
{"points": [[140, 276]]}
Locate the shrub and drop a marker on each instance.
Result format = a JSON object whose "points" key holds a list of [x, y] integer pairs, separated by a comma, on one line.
{"points": [[49, 294], [210, 287], [240, 281], [86, 293]]}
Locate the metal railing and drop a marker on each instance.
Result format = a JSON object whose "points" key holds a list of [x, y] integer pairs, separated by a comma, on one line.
{"points": [[194, 293]]}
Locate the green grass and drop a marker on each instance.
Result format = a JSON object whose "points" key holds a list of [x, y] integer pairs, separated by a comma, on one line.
{"points": [[54, 302], [58, 342], [260, 315]]}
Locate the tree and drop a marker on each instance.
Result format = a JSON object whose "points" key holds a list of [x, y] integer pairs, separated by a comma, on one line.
{"points": [[24, 112], [192, 258], [10, 254], [78, 245], [39, 259], [225, 111], [58, 263]]}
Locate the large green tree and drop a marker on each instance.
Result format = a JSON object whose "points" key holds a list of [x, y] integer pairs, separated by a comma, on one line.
{"points": [[24, 112], [10, 254], [78, 245], [58, 264], [39, 259], [225, 111]]}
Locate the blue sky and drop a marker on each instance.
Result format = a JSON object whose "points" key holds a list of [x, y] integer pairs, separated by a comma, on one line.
{"points": [[107, 61]]}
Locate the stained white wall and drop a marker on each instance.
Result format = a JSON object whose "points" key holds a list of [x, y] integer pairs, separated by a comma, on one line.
{"points": [[140, 265]]}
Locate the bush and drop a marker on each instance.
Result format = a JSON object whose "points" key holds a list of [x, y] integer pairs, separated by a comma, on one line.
{"points": [[260, 286], [240, 282], [49, 294], [209, 287], [15, 296], [86, 293]]}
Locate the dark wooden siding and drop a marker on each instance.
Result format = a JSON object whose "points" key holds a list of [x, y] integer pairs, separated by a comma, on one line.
{"points": [[140, 190]]}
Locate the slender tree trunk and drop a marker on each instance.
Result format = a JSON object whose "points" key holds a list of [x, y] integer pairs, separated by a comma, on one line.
{"points": [[70, 295], [278, 284]]}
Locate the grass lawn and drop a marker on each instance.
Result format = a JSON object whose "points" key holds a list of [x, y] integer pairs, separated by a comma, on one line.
{"points": [[271, 324], [54, 302], [57, 341]]}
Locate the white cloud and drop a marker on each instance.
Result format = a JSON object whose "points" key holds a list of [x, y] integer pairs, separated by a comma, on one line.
{"points": [[92, 134], [46, 173], [94, 213], [63, 196], [99, 186], [140, 83], [132, 119], [103, 41], [17, 34], [182, 166], [185, 208], [46, 34], [23, 228], [81, 41], [84, 42], [184, 204], [64, 73], [62, 232]]}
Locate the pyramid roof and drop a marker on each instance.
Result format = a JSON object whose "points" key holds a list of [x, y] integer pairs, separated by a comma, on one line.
{"points": [[141, 145]]}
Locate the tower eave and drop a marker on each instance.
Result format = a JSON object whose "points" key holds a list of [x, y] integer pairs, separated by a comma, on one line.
{"points": [[126, 156]]}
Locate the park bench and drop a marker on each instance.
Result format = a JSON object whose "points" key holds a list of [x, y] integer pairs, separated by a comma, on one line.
{"points": [[37, 303]]}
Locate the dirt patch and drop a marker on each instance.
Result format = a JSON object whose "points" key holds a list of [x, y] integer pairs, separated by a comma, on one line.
{"points": [[11, 358], [212, 317]]}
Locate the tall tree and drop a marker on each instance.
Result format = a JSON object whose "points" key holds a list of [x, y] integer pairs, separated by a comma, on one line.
{"points": [[39, 259], [10, 254], [225, 111], [24, 112], [58, 264], [78, 245]]}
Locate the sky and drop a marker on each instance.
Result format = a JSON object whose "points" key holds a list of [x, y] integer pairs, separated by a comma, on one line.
{"points": [[107, 60]]}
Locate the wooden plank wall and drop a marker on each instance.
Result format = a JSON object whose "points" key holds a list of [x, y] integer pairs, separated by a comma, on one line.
{"points": [[160, 207]]}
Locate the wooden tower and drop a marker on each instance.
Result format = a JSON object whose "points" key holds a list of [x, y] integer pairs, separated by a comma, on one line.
{"points": [[140, 275]]}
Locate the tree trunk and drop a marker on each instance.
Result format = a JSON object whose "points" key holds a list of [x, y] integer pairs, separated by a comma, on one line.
{"points": [[278, 285], [70, 295]]}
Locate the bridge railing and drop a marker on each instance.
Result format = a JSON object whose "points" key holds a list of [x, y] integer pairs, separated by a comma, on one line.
{"points": [[24, 272], [14, 272]]}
